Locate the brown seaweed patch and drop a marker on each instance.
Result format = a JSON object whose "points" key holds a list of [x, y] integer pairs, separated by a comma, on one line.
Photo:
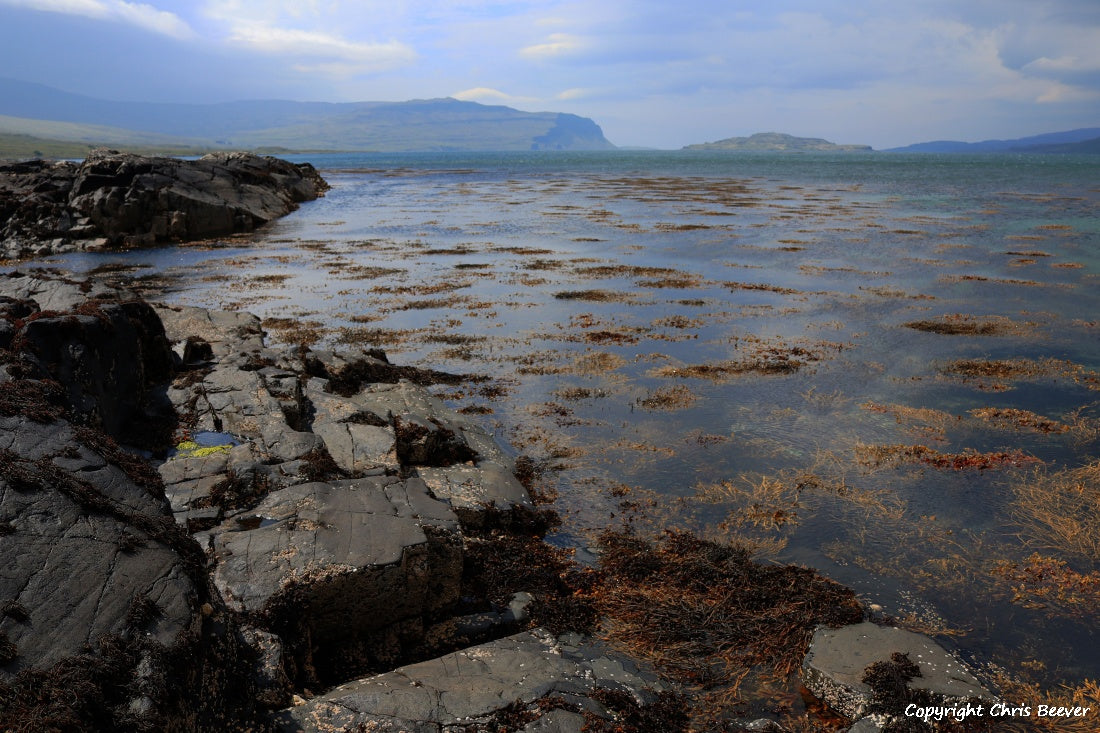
{"points": [[1057, 511], [931, 422], [1011, 418], [609, 336], [760, 286], [682, 283], [960, 324], [1001, 280], [422, 288], [884, 292], [598, 362], [676, 397], [366, 272], [707, 614], [874, 456], [524, 250], [1049, 583], [430, 303], [295, 330], [1022, 369], [601, 296], [375, 336], [679, 321], [762, 360], [573, 394]]}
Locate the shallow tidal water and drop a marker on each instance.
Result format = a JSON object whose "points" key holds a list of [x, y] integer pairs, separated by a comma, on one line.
{"points": [[886, 367]]}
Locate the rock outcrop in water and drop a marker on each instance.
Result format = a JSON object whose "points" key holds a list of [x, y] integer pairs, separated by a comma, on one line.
{"points": [[121, 200]]}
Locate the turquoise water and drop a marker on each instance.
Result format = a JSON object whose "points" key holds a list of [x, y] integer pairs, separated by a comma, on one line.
{"points": [[720, 343]]}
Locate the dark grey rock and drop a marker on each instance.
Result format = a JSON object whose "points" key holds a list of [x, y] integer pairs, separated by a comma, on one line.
{"points": [[470, 488], [469, 686], [231, 334], [116, 199], [870, 724], [110, 358], [81, 551], [837, 658], [354, 554]]}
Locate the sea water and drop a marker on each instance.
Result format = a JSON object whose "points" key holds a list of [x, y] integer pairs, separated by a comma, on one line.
{"points": [[877, 365]]}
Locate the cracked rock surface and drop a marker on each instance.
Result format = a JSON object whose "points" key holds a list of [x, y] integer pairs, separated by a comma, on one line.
{"points": [[309, 527], [469, 686]]}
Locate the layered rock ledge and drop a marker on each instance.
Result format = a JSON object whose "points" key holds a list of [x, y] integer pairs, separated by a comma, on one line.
{"points": [[320, 522], [119, 200]]}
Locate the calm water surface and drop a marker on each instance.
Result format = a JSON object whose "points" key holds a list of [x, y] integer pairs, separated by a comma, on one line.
{"points": [[721, 343]]}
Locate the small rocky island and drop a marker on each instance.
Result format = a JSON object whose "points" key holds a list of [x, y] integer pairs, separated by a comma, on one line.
{"points": [[115, 200], [777, 142]]}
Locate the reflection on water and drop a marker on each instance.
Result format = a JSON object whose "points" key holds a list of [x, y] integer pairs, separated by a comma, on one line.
{"points": [[885, 367]]}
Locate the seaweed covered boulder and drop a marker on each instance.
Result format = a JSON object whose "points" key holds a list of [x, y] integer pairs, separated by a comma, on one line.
{"points": [[114, 199]]}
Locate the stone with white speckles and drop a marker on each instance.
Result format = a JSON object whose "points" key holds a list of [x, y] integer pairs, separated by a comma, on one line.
{"points": [[835, 665]]}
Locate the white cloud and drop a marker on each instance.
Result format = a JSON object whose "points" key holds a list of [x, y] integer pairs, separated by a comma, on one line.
{"points": [[137, 14], [556, 44], [487, 94], [574, 93], [295, 42], [88, 8], [150, 18]]}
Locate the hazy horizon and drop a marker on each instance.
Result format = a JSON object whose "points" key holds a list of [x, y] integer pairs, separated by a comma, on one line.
{"points": [[650, 74]]}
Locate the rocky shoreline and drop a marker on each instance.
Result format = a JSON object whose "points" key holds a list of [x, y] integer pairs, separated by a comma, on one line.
{"points": [[199, 532], [326, 521], [121, 200]]}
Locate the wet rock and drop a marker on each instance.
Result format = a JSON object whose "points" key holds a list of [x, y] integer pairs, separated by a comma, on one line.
{"points": [[838, 659], [472, 685], [116, 199]]}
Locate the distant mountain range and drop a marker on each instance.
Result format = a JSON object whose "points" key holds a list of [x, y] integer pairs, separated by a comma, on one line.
{"points": [[778, 142], [50, 115], [1084, 140]]}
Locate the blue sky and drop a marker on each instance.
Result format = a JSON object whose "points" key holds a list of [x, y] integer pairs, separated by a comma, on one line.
{"points": [[650, 72]]}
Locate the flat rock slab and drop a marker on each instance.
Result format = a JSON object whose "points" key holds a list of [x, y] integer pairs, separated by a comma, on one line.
{"points": [[834, 667], [356, 554], [469, 686], [229, 333], [470, 488]]}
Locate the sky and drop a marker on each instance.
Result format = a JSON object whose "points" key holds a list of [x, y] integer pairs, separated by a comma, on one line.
{"points": [[654, 73]]}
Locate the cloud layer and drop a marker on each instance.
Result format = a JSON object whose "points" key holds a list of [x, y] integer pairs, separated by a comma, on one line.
{"points": [[651, 72]]}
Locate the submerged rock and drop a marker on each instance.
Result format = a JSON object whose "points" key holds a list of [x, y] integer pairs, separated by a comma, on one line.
{"points": [[114, 199]]}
